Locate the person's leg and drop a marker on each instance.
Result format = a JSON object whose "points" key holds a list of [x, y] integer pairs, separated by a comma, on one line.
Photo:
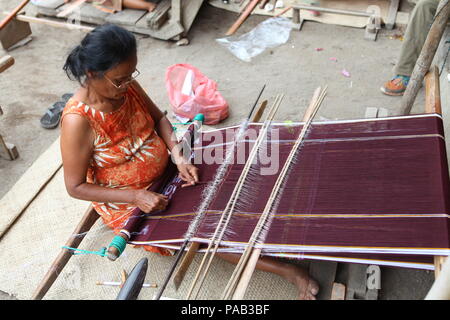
{"points": [[415, 36], [139, 4], [308, 287]]}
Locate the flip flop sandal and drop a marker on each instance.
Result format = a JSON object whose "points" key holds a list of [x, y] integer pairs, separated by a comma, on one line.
{"points": [[52, 116], [66, 96]]}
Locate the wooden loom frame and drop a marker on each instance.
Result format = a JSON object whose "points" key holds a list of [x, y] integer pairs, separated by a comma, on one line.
{"points": [[432, 105]]}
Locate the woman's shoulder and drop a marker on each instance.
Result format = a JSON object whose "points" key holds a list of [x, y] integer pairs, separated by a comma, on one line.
{"points": [[75, 104], [74, 113]]}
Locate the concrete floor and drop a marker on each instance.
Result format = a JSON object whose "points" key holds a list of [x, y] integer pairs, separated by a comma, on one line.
{"points": [[36, 81]]}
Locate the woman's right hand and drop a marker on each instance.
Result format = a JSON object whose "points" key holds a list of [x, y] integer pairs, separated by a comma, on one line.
{"points": [[149, 201]]}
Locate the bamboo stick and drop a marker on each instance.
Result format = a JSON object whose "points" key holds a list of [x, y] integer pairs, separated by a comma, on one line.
{"points": [[241, 277], [251, 6], [185, 263], [52, 23], [13, 14], [118, 284], [6, 62], [61, 260]]}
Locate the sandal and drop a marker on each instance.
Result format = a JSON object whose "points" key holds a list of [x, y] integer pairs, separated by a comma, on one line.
{"points": [[65, 97], [52, 116]]}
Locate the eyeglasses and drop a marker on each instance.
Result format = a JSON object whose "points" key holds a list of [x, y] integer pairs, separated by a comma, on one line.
{"points": [[125, 83]]}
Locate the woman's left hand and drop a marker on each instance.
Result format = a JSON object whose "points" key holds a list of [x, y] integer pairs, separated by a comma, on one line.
{"points": [[188, 173]]}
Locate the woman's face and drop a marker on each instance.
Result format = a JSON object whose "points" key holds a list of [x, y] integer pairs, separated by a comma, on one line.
{"points": [[114, 83]]}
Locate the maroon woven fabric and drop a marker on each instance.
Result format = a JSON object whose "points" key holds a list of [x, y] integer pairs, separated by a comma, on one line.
{"points": [[373, 187]]}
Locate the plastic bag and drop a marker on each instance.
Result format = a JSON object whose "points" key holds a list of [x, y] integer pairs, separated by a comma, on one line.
{"points": [[190, 93], [268, 34]]}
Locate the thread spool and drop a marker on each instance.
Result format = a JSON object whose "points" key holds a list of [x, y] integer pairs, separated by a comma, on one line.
{"points": [[117, 246]]}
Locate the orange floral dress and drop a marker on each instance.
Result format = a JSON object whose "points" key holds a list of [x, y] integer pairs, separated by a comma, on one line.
{"points": [[128, 153]]}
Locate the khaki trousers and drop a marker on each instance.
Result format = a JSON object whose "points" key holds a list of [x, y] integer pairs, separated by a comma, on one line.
{"points": [[415, 35]]}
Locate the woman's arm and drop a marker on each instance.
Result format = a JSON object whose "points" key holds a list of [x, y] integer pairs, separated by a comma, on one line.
{"points": [[76, 149]]}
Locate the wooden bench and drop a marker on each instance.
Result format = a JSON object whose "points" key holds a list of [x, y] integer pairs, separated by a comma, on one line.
{"points": [[8, 151]]}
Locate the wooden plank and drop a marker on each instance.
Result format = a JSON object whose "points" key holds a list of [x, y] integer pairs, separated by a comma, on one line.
{"points": [[371, 112], [8, 151], [70, 8], [53, 23], [14, 32], [50, 4], [18, 198], [392, 15], [338, 291], [439, 261], [157, 17], [260, 111], [185, 263], [441, 286], [126, 17], [89, 14], [166, 32], [351, 21], [49, 7], [383, 113], [433, 105], [432, 91], [189, 10], [175, 12], [5, 63]]}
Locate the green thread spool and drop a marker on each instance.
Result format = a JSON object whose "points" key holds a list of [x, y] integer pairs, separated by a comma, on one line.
{"points": [[119, 243], [199, 117]]}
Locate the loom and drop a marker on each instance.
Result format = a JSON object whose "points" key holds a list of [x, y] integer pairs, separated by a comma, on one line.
{"points": [[362, 191], [355, 187]]}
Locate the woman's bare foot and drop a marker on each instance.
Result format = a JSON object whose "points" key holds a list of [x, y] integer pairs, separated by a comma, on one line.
{"points": [[307, 287]]}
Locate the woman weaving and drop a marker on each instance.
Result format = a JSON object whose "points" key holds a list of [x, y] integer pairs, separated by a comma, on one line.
{"points": [[115, 142]]}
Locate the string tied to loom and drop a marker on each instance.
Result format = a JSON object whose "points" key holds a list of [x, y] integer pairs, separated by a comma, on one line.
{"points": [[76, 251], [118, 242], [198, 117]]}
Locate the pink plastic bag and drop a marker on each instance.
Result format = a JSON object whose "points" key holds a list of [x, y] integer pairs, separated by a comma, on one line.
{"points": [[190, 93]]}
